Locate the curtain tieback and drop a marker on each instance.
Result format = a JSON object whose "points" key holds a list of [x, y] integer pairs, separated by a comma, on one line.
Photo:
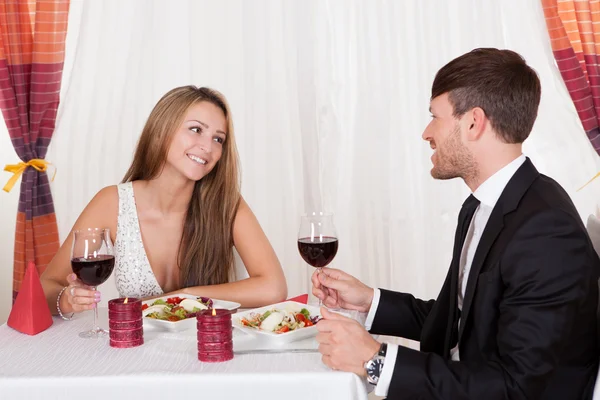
{"points": [[17, 170], [590, 181]]}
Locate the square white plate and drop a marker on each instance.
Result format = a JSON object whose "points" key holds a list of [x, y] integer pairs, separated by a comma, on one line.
{"points": [[187, 323], [279, 338]]}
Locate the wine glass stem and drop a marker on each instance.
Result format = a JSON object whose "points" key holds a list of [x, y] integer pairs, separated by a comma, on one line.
{"points": [[96, 328], [319, 270]]}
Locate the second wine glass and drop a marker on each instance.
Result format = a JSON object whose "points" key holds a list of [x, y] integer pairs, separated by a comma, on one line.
{"points": [[317, 239]]}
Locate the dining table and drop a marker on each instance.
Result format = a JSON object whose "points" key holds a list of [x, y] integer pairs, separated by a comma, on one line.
{"points": [[58, 364]]}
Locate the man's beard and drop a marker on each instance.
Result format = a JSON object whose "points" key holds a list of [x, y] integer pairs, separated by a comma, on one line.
{"points": [[453, 159]]}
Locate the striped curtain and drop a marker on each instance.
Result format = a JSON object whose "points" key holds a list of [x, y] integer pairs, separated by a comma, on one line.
{"points": [[32, 44], [574, 29]]}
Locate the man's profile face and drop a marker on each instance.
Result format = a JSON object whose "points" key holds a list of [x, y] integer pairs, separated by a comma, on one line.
{"points": [[451, 159]]}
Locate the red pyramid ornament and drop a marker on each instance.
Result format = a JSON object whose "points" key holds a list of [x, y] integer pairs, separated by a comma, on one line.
{"points": [[303, 298], [30, 314]]}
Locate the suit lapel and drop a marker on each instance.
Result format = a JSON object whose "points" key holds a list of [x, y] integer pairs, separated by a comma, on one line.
{"points": [[507, 203]]}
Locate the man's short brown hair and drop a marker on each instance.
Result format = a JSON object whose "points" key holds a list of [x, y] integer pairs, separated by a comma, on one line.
{"points": [[498, 81]]}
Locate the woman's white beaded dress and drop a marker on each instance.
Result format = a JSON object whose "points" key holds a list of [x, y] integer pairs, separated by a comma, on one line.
{"points": [[133, 274]]}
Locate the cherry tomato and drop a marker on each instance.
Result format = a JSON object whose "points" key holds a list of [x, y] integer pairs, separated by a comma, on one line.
{"points": [[283, 329]]}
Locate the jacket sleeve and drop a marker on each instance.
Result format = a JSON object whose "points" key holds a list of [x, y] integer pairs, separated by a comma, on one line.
{"points": [[400, 314]]}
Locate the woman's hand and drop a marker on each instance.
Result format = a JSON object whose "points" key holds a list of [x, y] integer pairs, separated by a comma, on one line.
{"points": [[78, 297]]}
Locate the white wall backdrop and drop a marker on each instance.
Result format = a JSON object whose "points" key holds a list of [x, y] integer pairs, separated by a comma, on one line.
{"points": [[329, 101]]}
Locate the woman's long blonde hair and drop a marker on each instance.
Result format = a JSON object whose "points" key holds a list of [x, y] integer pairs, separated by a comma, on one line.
{"points": [[205, 254]]}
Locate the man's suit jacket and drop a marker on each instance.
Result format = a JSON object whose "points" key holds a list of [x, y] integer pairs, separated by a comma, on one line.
{"points": [[528, 325]]}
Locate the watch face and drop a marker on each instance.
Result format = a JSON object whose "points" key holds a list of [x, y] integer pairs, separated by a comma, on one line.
{"points": [[374, 368]]}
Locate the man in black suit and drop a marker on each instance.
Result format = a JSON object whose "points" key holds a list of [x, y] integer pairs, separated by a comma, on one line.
{"points": [[516, 315]]}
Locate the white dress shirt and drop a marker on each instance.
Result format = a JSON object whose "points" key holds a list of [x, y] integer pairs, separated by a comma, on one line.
{"points": [[488, 194]]}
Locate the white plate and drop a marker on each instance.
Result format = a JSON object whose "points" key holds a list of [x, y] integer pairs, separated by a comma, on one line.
{"points": [[279, 338], [187, 323]]}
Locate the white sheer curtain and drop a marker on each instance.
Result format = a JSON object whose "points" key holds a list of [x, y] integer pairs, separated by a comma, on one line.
{"points": [[329, 101]]}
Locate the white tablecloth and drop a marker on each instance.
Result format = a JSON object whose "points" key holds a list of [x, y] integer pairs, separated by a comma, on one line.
{"points": [[57, 364]]}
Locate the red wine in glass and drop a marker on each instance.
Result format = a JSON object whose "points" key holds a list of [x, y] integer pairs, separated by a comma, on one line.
{"points": [[93, 260], [318, 252], [93, 271], [317, 239]]}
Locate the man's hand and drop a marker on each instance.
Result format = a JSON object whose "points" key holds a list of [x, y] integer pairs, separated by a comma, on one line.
{"points": [[337, 289], [344, 343]]}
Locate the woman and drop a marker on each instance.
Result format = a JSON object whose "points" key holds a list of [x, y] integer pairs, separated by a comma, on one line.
{"points": [[177, 215]]}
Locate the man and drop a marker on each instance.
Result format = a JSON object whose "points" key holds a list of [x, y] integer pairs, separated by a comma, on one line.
{"points": [[516, 316]]}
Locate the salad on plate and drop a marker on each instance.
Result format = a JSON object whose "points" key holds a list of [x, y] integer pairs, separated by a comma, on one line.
{"points": [[176, 308], [279, 320]]}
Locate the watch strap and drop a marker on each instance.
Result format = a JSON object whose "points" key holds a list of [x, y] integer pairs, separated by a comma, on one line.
{"points": [[382, 350]]}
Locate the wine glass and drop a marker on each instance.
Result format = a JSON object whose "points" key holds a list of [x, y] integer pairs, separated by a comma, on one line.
{"points": [[317, 239], [93, 260]]}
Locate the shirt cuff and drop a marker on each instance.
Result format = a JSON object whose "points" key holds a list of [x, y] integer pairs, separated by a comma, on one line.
{"points": [[373, 309], [383, 385]]}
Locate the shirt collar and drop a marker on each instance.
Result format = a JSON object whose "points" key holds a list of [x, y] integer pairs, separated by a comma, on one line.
{"points": [[489, 191]]}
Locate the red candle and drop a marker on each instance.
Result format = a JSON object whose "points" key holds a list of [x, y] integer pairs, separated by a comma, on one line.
{"points": [[216, 347], [204, 327], [119, 325], [127, 334], [125, 322], [124, 315], [120, 344], [125, 304], [215, 357], [124, 309], [214, 316], [215, 335]]}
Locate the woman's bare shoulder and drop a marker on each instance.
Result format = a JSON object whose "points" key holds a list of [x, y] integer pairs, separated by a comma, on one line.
{"points": [[106, 197], [103, 206]]}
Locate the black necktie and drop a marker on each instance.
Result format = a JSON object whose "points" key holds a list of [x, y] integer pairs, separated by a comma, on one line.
{"points": [[464, 221]]}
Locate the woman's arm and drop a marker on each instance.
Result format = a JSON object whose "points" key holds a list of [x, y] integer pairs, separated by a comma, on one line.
{"points": [[101, 212], [266, 284]]}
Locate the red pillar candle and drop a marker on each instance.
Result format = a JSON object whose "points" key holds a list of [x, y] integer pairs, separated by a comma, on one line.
{"points": [[215, 335], [125, 304], [215, 347], [120, 325], [125, 323], [214, 316]]}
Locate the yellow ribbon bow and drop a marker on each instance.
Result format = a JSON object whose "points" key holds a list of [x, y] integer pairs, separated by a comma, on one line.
{"points": [[17, 170], [590, 181]]}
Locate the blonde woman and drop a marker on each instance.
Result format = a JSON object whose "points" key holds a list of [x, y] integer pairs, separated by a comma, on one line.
{"points": [[177, 215]]}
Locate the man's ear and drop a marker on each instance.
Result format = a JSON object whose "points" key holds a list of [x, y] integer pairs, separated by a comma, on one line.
{"points": [[476, 123]]}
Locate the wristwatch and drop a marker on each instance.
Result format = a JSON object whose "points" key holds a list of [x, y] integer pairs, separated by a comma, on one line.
{"points": [[375, 365]]}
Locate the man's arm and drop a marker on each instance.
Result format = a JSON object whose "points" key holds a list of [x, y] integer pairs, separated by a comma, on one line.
{"points": [[547, 272], [400, 314]]}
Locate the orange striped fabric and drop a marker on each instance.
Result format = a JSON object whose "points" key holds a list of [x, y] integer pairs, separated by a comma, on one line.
{"points": [[574, 30], [32, 51]]}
